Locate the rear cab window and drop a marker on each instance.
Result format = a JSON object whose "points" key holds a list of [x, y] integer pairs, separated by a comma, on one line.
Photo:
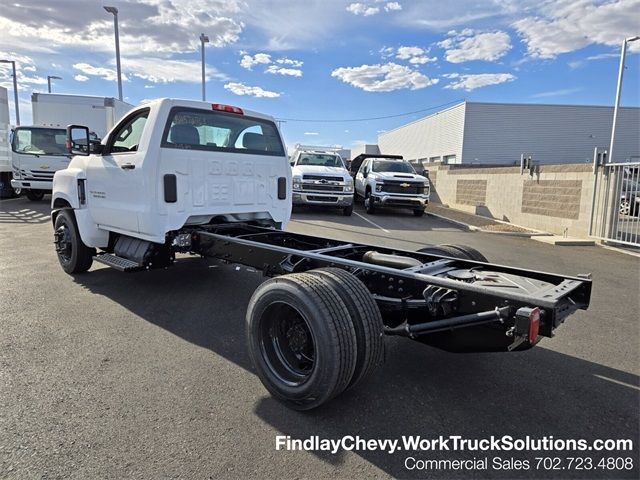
{"points": [[195, 129]]}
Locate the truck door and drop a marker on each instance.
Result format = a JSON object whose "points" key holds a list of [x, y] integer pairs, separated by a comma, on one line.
{"points": [[115, 179], [360, 180]]}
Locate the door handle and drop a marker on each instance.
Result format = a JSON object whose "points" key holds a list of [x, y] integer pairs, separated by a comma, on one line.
{"points": [[128, 166]]}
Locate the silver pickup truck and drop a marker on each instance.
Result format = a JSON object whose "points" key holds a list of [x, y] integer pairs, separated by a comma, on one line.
{"points": [[321, 178]]}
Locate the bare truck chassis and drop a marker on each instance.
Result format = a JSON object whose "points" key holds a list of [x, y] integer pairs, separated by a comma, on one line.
{"points": [[317, 327]]}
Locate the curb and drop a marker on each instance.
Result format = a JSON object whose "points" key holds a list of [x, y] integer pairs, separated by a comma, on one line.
{"points": [[472, 228]]}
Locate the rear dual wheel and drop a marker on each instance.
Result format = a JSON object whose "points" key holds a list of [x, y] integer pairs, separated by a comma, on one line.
{"points": [[310, 340]]}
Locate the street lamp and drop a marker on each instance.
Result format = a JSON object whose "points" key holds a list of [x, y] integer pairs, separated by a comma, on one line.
{"points": [[114, 12], [623, 54], [49, 78], [15, 88], [203, 39]]}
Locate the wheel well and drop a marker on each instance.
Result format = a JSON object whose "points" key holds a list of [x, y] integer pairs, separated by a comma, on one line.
{"points": [[58, 204], [368, 189], [61, 203]]}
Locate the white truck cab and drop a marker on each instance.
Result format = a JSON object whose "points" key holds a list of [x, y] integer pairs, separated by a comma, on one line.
{"points": [[321, 178], [169, 164]]}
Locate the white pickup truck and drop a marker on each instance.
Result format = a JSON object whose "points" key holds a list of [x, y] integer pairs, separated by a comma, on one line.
{"points": [[183, 177], [321, 178]]}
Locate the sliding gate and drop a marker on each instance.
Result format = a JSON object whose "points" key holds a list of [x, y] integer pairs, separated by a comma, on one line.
{"points": [[615, 206]]}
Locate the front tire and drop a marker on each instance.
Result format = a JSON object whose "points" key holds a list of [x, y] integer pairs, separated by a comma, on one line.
{"points": [[301, 340], [418, 212], [369, 204], [347, 211], [74, 256], [35, 195]]}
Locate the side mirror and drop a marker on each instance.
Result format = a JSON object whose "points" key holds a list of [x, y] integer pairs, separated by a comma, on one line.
{"points": [[425, 173], [365, 174], [292, 163], [77, 141]]}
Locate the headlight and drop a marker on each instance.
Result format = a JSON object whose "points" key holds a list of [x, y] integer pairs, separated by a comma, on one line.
{"points": [[426, 184], [379, 187], [296, 183], [348, 188]]}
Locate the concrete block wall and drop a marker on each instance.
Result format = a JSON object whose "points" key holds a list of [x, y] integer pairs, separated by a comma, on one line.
{"points": [[553, 198]]}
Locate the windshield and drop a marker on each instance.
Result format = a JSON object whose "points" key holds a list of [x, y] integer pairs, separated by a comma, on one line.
{"points": [[392, 166], [322, 160], [39, 141]]}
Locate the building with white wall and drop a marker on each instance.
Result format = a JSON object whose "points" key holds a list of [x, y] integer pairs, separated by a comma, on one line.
{"points": [[499, 133]]}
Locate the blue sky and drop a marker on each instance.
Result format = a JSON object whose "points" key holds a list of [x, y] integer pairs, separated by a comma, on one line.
{"points": [[328, 60]]}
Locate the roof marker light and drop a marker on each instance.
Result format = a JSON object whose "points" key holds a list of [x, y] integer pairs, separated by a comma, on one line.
{"points": [[226, 108]]}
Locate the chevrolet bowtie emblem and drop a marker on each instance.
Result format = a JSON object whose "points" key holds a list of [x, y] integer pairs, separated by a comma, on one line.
{"points": [[405, 185], [44, 167]]}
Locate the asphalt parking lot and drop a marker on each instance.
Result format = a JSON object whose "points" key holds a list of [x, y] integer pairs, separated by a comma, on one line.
{"points": [[146, 375]]}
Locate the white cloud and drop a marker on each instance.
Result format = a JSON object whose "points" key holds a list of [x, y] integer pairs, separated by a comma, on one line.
{"points": [[415, 55], [242, 89], [383, 78], [562, 27], [170, 71], [311, 133], [249, 61], [292, 72], [289, 61], [470, 45], [80, 78], [105, 73], [392, 7], [472, 81], [362, 9], [556, 93]]}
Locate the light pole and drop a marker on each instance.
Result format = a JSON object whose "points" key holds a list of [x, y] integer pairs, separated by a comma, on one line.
{"points": [[15, 88], [623, 54], [49, 78], [114, 12], [203, 39]]}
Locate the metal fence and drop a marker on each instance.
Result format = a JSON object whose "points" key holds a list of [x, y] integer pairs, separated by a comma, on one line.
{"points": [[615, 206]]}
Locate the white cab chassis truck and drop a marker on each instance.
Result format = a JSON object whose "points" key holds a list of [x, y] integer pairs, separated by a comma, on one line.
{"points": [[38, 151], [320, 178], [184, 177]]}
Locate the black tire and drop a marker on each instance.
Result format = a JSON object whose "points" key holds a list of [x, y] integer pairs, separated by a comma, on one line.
{"points": [[418, 213], [455, 251], [470, 252], [347, 211], [35, 195], [74, 256], [365, 317], [369, 204], [301, 340]]}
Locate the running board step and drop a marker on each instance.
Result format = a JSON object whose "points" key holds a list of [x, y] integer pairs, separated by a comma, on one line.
{"points": [[119, 263]]}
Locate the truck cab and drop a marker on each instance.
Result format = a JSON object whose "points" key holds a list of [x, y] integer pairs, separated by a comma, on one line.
{"points": [[391, 182], [36, 154], [320, 178], [175, 163]]}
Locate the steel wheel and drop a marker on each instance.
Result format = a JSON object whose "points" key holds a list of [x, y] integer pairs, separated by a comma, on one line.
{"points": [[62, 241], [287, 344]]}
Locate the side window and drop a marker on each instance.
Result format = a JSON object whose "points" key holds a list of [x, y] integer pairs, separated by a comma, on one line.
{"points": [[127, 137]]}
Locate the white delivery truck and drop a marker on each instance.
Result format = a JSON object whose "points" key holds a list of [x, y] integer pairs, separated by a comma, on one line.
{"points": [[38, 150], [5, 152]]}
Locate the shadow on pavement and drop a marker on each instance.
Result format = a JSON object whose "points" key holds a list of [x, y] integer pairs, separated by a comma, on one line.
{"points": [[22, 210], [419, 391]]}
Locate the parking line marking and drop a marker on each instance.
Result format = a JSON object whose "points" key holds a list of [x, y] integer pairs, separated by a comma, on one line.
{"points": [[602, 377], [372, 223]]}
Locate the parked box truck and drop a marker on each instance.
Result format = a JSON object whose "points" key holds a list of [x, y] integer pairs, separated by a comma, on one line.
{"points": [[38, 150]]}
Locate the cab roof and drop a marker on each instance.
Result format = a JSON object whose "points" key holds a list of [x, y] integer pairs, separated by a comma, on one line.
{"points": [[177, 102]]}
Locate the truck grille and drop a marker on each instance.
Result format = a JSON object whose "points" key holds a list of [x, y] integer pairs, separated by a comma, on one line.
{"points": [[37, 175], [413, 188], [321, 188], [321, 177]]}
